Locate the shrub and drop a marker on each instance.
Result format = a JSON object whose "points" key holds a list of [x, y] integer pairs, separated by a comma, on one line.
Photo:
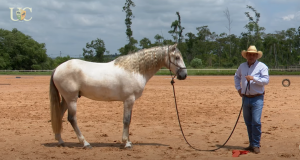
{"points": [[196, 63]]}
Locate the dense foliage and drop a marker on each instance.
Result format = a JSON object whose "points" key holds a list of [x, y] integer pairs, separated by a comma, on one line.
{"points": [[19, 51], [196, 63]]}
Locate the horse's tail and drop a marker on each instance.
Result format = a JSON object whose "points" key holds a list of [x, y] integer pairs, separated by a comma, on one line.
{"points": [[55, 107]]}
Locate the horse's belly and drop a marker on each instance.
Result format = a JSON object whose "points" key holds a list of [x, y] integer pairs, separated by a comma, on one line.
{"points": [[112, 92], [101, 94], [103, 97]]}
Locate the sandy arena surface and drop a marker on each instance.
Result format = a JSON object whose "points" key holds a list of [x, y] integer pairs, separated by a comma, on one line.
{"points": [[208, 106]]}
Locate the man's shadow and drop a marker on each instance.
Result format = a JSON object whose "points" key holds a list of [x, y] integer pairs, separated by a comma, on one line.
{"points": [[228, 147]]}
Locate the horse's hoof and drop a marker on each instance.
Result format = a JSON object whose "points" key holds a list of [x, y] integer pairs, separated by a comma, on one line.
{"points": [[87, 147], [128, 145], [61, 145]]}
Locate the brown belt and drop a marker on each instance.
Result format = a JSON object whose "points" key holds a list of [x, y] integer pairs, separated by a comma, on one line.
{"points": [[251, 96]]}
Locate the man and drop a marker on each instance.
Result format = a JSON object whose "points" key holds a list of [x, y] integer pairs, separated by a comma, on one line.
{"points": [[250, 79]]}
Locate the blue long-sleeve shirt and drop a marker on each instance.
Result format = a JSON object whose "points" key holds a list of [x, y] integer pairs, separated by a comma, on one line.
{"points": [[260, 73]]}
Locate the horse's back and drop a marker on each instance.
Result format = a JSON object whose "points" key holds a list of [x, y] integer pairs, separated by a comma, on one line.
{"points": [[81, 68], [98, 81], [72, 74]]}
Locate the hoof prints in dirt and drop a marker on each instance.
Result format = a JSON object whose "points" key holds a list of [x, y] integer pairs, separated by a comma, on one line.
{"points": [[286, 155]]}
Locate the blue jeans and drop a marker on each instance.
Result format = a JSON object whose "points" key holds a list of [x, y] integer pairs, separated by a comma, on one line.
{"points": [[252, 110]]}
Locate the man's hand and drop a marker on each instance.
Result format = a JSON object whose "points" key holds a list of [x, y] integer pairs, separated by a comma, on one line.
{"points": [[249, 78], [240, 92]]}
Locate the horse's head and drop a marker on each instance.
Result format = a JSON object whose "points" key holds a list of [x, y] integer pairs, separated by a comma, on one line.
{"points": [[175, 62]]}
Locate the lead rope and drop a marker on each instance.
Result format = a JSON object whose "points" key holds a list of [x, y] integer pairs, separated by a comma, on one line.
{"points": [[172, 82]]}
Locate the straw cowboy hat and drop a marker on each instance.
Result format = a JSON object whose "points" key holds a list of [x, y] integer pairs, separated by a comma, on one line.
{"points": [[252, 49]]}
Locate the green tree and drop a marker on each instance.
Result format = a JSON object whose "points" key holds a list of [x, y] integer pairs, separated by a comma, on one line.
{"points": [[196, 63], [221, 49], [176, 32], [131, 41], [254, 30], [180, 28], [127, 49], [158, 39], [190, 42], [20, 52], [291, 35], [270, 44], [94, 51], [48, 64], [59, 60], [145, 43], [204, 46]]}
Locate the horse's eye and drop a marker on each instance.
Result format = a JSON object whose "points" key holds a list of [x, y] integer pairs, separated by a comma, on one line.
{"points": [[177, 57]]}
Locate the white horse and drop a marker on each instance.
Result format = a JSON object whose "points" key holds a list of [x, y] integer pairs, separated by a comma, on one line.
{"points": [[123, 79]]}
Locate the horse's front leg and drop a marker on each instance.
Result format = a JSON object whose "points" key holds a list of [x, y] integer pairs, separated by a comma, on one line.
{"points": [[128, 104]]}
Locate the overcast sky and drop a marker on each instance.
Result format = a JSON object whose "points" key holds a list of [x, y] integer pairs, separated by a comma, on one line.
{"points": [[67, 25]]}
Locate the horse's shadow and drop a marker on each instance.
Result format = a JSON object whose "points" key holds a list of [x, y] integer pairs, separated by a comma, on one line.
{"points": [[117, 145]]}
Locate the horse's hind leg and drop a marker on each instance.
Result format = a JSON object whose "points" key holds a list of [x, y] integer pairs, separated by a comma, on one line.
{"points": [[128, 104], [58, 136], [73, 120]]}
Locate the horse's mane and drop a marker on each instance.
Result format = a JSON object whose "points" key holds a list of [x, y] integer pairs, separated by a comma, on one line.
{"points": [[142, 60]]}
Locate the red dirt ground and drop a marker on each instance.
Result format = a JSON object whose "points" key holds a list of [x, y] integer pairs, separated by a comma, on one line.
{"points": [[208, 107]]}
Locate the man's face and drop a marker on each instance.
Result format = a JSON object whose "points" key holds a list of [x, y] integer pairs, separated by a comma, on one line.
{"points": [[251, 57]]}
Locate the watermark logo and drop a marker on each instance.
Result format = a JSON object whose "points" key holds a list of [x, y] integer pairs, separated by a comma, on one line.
{"points": [[20, 13]]}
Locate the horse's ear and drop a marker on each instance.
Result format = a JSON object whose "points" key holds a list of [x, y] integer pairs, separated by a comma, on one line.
{"points": [[174, 47]]}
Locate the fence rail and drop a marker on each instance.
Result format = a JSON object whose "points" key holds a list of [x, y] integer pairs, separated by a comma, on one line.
{"points": [[26, 70], [287, 69], [221, 69]]}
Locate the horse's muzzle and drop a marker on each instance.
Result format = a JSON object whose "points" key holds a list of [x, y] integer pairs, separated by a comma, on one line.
{"points": [[182, 74]]}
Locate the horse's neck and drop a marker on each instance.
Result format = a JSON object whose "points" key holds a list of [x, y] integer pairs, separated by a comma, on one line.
{"points": [[150, 73], [145, 62], [151, 62]]}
